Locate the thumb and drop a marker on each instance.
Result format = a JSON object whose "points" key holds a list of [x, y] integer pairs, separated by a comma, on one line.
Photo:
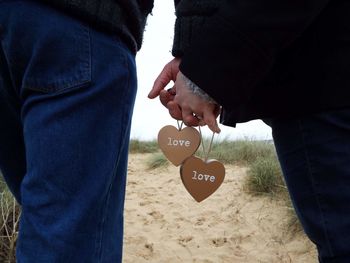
{"points": [[159, 84], [161, 81], [168, 74]]}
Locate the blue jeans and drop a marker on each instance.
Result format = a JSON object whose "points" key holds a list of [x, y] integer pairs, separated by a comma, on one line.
{"points": [[314, 152], [66, 99]]}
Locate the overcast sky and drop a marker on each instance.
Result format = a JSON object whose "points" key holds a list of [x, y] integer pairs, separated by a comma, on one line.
{"points": [[149, 115]]}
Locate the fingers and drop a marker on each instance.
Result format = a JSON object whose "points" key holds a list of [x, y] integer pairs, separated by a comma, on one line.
{"points": [[165, 97], [210, 119], [186, 115], [217, 110], [192, 117], [174, 110], [188, 118]]}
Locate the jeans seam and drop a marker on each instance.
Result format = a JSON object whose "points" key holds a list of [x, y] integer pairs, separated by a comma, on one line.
{"points": [[313, 183], [99, 251]]}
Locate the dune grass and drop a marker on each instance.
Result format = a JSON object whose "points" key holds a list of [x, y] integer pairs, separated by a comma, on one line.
{"points": [[9, 219], [157, 160], [243, 152], [265, 176], [137, 146], [3, 186]]}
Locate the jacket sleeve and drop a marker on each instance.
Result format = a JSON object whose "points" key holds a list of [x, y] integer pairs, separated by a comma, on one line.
{"points": [[236, 47], [190, 17]]}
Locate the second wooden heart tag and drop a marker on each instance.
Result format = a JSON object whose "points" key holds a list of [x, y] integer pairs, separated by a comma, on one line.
{"points": [[201, 178], [177, 145]]}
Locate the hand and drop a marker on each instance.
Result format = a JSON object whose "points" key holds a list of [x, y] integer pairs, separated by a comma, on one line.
{"points": [[195, 109], [181, 102]]}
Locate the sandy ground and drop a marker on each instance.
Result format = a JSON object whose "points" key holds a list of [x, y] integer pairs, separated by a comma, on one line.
{"points": [[164, 224]]}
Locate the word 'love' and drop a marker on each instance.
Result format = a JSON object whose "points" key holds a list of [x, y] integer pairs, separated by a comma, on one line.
{"points": [[203, 177], [174, 142]]}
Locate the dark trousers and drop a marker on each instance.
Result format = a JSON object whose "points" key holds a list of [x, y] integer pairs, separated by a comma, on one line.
{"points": [[314, 152], [66, 98]]}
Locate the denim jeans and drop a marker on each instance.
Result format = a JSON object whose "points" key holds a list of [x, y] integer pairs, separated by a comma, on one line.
{"points": [[314, 152], [67, 93]]}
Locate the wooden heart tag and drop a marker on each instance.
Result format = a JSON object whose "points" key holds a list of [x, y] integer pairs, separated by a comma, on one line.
{"points": [[177, 145], [201, 178]]}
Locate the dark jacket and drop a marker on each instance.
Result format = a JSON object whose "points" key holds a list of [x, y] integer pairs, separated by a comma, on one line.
{"points": [[267, 59], [125, 17]]}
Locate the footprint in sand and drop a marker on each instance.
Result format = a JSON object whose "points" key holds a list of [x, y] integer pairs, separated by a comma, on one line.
{"points": [[156, 215], [147, 251], [200, 221], [144, 203], [219, 242], [149, 247], [184, 240]]}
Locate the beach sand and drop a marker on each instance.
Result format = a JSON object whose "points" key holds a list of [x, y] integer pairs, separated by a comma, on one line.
{"points": [[163, 223]]}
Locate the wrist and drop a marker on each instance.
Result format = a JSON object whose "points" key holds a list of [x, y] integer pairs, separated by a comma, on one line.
{"points": [[194, 89]]}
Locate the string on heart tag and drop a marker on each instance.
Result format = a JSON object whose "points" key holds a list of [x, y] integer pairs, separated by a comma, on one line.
{"points": [[206, 154], [202, 178], [177, 144], [179, 125]]}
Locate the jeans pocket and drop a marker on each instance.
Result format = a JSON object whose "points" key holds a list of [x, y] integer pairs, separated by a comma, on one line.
{"points": [[46, 50]]}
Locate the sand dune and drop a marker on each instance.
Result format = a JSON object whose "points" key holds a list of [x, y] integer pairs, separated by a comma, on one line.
{"points": [[164, 224]]}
